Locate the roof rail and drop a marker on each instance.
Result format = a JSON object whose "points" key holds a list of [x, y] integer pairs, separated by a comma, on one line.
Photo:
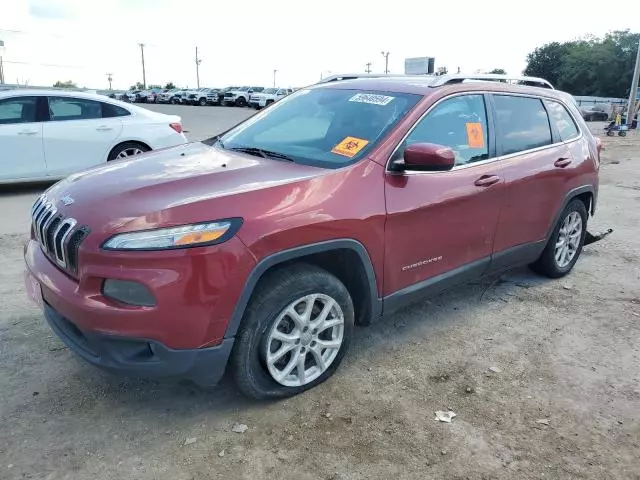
{"points": [[353, 76], [491, 77]]}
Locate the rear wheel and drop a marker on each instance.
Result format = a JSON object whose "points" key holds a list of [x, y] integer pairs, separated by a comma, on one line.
{"points": [[566, 242], [127, 149], [295, 332]]}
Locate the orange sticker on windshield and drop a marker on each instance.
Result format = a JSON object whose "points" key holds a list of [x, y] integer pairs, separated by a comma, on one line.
{"points": [[350, 146], [475, 138]]}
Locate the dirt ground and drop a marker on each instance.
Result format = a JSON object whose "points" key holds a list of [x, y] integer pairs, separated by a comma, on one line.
{"points": [[567, 353]]}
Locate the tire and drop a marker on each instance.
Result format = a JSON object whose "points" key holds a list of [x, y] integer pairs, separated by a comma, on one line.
{"points": [[269, 102], [203, 102], [130, 148], [173, 101], [241, 102], [280, 290], [548, 263]]}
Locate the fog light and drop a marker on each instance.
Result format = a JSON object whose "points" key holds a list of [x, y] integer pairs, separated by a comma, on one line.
{"points": [[128, 292]]}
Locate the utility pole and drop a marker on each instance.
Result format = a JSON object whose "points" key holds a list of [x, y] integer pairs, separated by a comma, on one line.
{"points": [[386, 62], [634, 89], [144, 73], [368, 69], [274, 78], [110, 78], [1, 65], [198, 62]]}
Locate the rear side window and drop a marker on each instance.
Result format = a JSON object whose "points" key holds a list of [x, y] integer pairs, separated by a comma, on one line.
{"points": [[522, 123], [562, 120], [18, 110], [69, 108], [109, 111], [459, 123]]}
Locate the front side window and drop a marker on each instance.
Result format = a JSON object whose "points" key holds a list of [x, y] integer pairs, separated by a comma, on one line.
{"points": [[69, 108], [562, 120], [322, 126], [18, 110], [459, 123], [522, 123]]}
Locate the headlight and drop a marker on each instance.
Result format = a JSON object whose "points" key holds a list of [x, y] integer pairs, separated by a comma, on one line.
{"points": [[185, 236]]}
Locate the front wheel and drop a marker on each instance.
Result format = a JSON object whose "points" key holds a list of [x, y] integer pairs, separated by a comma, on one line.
{"points": [[295, 332], [241, 102], [566, 242], [203, 102]]}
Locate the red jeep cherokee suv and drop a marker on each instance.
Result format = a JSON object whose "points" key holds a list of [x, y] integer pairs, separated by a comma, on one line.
{"points": [[262, 247]]}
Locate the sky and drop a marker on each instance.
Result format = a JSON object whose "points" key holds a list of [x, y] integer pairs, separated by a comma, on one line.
{"points": [[244, 42]]}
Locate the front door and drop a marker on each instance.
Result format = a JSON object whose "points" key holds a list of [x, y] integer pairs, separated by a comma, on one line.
{"points": [[21, 151], [441, 225], [77, 136]]}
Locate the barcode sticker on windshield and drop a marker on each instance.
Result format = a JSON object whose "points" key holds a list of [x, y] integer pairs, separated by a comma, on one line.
{"points": [[371, 98]]}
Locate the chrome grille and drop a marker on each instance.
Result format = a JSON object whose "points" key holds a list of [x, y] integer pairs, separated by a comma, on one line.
{"points": [[59, 237]]}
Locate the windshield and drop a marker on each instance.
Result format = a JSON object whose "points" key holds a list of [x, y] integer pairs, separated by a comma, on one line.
{"points": [[270, 90], [243, 89], [324, 127]]}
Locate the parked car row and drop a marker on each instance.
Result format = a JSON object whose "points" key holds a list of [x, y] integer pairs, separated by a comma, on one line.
{"points": [[256, 97]]}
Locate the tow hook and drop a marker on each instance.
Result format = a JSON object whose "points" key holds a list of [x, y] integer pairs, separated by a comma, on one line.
{"points": [[591, 238]]}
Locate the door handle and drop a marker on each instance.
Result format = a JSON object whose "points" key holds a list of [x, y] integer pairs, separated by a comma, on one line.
{"points": [[562, 162], [487, 180], [28, 132], [104, 128]]}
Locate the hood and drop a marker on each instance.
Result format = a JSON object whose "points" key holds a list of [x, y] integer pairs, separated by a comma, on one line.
{"points": [[160, 188]]}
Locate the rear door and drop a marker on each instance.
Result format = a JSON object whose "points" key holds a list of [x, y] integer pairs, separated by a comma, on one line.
{"points": [[21, 149], [443, 223], [77, 136], [537, 165]]}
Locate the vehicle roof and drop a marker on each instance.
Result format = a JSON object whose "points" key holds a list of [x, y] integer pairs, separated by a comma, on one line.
{"points": [[52, 92], [88, 96], [424, 85]]}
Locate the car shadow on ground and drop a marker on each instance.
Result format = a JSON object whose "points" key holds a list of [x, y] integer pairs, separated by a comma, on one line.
{"points": [[24, 188]]}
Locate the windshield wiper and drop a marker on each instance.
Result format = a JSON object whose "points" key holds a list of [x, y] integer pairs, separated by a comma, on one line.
{"points": [[260, 152]]}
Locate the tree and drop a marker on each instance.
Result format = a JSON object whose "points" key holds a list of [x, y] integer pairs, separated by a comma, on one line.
{"points": [[442, 71], [498, 71], [590, 66], [170, 86], [137, 86], [67, 84]]}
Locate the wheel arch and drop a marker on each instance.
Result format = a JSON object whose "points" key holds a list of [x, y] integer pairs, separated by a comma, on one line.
{"points": [[585, 193], [122, 142], [347, 259]]}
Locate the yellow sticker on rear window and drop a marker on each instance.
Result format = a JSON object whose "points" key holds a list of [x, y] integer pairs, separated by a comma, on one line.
{"points": [[475, 137], [350, 146]]}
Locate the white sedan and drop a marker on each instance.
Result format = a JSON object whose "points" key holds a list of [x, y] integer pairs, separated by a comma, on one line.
{"points": [[47, 135]]}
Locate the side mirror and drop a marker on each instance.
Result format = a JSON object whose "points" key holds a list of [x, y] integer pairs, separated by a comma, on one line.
{"points": [[428, 157]]}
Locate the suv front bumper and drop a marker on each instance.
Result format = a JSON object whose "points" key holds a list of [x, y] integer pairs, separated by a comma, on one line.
{"points": [[131, 357], [182, 335]]}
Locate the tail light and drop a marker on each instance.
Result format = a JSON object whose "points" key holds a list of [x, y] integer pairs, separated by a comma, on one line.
{"points": [[176, 126]]}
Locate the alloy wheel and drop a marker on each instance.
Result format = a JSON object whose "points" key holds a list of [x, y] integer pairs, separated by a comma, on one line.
{"points": [[568, 240], [304, 340]]}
